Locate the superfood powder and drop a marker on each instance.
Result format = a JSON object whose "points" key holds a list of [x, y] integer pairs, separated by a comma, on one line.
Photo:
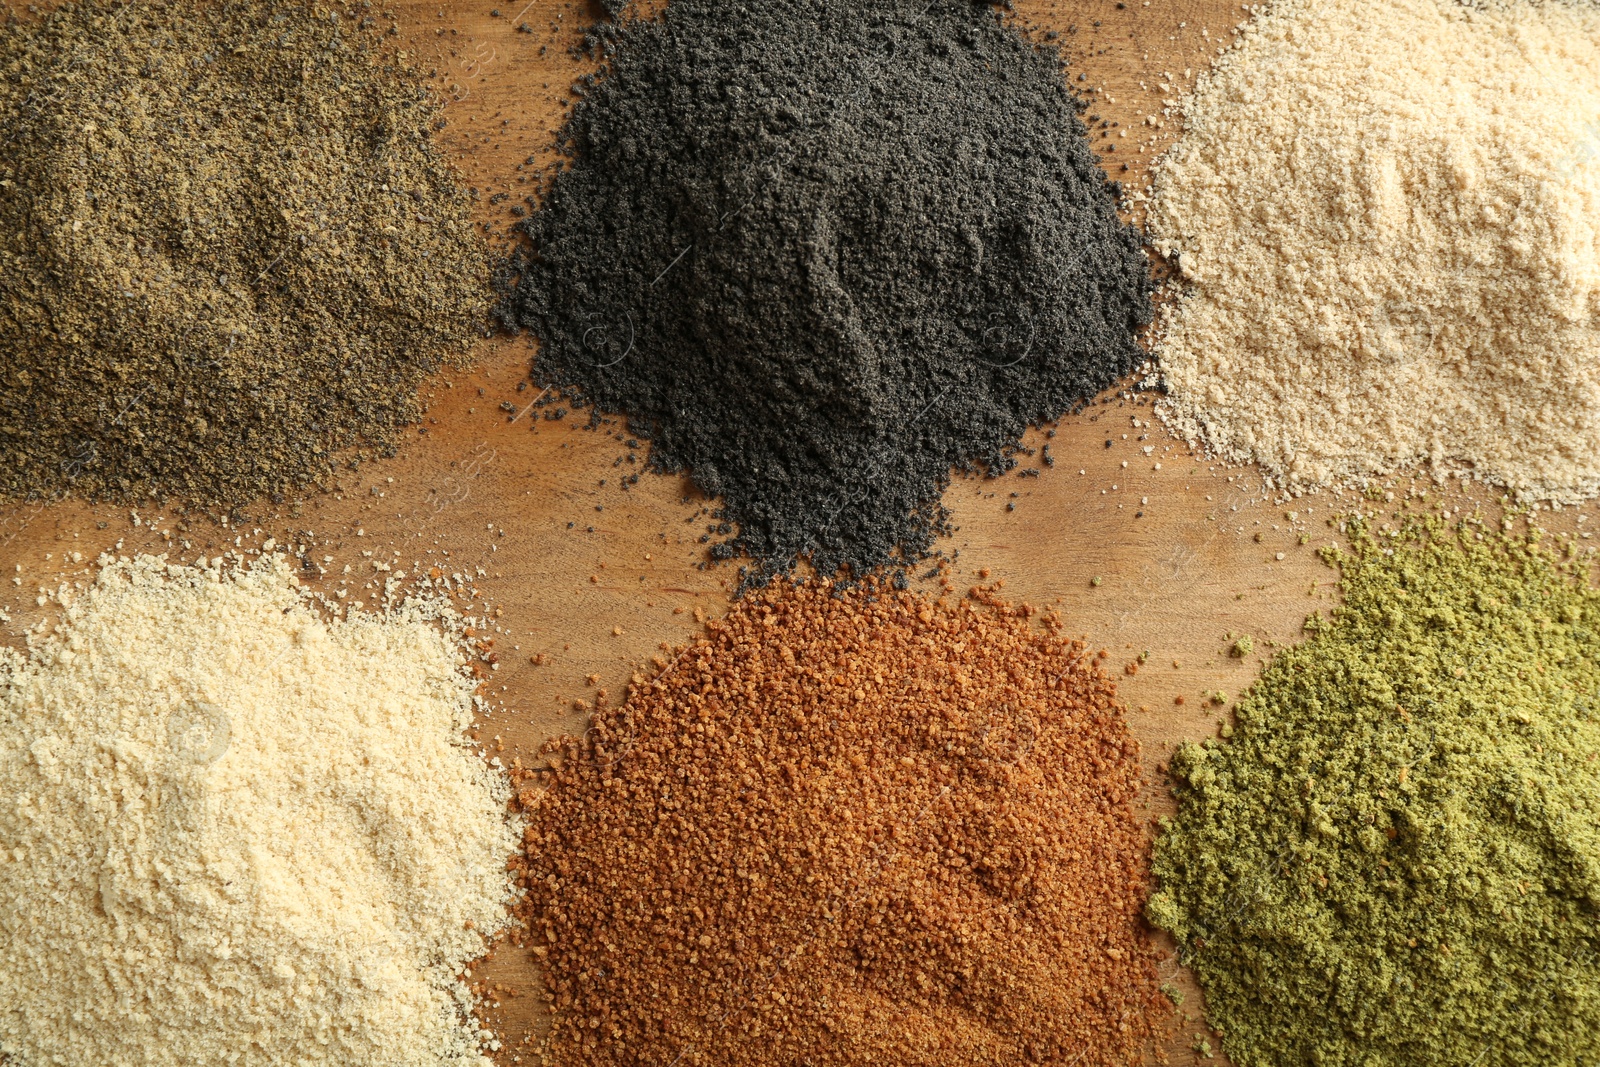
{"points": [[229, 251], [1384, 213], [1394, 859], [821, 252], [234, 832], [849, 826]]}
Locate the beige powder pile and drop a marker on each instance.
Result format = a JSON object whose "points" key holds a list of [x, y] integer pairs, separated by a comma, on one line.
{"points": [[1387, 217], [232, 832]]}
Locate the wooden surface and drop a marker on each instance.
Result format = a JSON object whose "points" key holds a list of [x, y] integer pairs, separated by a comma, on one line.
{"points": [[1141, 545]]}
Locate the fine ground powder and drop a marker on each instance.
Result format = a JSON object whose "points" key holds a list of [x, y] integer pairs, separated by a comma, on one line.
{"points": [[821, 252], [228, 250], [1387, 218], [849, 827], [232, 832], [1396, 859]]}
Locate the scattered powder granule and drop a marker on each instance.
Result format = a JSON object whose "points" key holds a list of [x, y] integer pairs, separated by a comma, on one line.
{"points": [[850, 826], [234, 832], [1386, 214]]}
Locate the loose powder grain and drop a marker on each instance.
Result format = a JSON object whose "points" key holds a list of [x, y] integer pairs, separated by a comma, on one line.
{"points": [[821, 252], [1396, 858], [849, 826], [232, 832], [229, 252], [1387, 218]]}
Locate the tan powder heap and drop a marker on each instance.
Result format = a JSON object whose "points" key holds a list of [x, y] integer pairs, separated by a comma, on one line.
{"points": [[1387, 216], [232, 832]]}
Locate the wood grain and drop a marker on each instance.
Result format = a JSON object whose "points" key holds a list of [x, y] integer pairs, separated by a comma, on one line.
{"points": [[1142, 546]]}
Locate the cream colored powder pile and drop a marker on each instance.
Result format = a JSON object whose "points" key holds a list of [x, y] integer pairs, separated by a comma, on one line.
{"points": [[1387, 214], [232, 832]]}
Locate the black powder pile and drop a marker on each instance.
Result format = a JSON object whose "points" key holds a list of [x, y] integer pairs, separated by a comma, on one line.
{"points": [[821, 252], [229, 251]]}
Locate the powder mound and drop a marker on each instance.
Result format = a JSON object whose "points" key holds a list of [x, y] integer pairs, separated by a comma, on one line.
{"points": [[849, 826], [1396, 859], [821, 252], [229, 252], [1385, 215], [233, 832]]}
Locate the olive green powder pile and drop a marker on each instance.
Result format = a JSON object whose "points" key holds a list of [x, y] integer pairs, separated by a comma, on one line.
{"points": [[228, 250], [1396, 858]]}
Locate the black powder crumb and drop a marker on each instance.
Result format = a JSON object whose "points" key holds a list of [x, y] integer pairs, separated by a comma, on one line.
{"points": [[821, 253]]}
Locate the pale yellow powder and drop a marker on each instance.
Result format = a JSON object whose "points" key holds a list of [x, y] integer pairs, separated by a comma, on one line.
{"points": [[1387, 214], [232, 832]]}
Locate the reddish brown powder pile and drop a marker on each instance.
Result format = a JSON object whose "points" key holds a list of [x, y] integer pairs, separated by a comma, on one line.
{"points": [[850, 827]]}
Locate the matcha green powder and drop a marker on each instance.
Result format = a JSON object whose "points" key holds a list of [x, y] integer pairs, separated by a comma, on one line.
{"points": [[1396, 857]]}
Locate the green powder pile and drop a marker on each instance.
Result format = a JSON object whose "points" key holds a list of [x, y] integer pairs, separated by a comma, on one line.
{"points": [[229, 249], [1395, 860]]}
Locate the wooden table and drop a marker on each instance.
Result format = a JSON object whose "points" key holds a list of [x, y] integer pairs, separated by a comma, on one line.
{"points": [[1142, 545]]}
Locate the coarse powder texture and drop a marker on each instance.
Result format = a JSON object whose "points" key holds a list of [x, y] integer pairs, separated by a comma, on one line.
{"points": [[232, 832], [229, 252], [850, 827], [1395, 862], [821, 252], [1387, 218]]}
